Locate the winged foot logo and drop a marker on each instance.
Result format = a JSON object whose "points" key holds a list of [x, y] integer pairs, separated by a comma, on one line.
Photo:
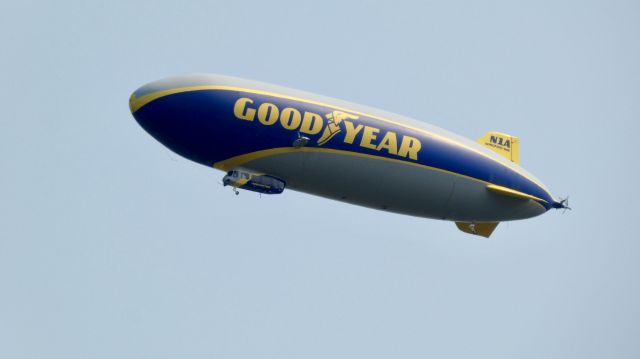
{"points": [[331, 124]]}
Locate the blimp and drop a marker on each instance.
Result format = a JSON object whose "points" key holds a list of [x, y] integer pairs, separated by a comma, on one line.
{"points": [[268, 138]]}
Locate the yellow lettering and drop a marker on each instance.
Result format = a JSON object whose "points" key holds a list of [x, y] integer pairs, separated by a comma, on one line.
{"points": [[351, 131], [311, 123], [368, 135], [268, 113], [410, 147], [389, 142], [240, 107], [290, 118]]}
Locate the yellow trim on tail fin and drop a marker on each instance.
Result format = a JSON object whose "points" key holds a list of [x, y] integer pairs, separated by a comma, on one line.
{"points": [[483, 229], [512, 193], [505, 145]]}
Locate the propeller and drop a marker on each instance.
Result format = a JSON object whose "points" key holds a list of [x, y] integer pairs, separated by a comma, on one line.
{"points": [[300, 141], [564, 204]]}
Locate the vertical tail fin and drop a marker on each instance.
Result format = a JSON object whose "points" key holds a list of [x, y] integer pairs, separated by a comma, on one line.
{"points": [[483, 229], [505, 145]]}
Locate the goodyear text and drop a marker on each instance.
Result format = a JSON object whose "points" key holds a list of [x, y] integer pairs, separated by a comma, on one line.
{"points": [[328, 126]]}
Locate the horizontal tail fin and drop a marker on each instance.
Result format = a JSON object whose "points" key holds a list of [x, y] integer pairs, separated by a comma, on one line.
{"points": [[483, 229], [512, 193], [505, 145]]}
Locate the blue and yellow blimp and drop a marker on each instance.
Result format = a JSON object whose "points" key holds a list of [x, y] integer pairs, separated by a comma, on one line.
{"points": [[268, 137]]}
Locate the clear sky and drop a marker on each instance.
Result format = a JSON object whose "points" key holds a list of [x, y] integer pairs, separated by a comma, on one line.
{"points": [[111, 246]]}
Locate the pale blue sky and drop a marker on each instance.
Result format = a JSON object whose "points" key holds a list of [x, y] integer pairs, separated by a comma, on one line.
{"points": [[111, 246]]}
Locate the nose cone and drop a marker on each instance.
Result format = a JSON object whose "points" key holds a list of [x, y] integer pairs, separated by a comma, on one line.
{"points": [[156, 116], [175, 115], [143, 97], [146, 96]]}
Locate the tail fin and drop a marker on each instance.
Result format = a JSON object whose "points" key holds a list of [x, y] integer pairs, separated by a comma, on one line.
{"points": [[505, 145], [483, 229], [508, 147]]}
